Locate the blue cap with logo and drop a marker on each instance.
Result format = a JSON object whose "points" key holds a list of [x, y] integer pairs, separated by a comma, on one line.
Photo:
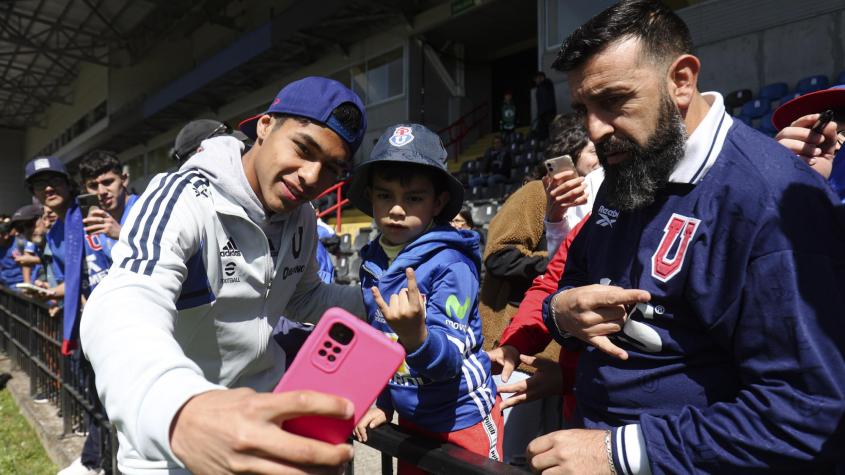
{"points": [[44, 165], [314, 98], [412, 144]]}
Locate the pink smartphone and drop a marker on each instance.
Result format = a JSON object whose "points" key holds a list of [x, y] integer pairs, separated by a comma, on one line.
{"points": [[346, 357]]}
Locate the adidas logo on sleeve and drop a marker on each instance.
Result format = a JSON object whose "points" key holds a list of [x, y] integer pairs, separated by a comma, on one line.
{"points": [[230, 249]]}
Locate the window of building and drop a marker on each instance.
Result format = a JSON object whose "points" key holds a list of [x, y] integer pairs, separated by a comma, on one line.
{"points": [[378, 79]]}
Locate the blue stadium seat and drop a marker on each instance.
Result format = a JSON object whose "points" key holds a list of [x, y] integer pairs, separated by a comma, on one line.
{"points": [[766, 125], [737, 99], [756, 108], [774, 91], [788, 97], [812, 84]]}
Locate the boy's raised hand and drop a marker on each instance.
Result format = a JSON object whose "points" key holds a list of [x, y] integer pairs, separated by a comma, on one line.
{"points": [[406, 313]]}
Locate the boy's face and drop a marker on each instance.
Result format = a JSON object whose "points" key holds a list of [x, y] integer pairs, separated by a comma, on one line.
{"points": [[110, 188], [51, 189], [402, 213]]}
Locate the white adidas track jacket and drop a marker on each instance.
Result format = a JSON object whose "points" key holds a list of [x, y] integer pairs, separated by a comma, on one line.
{"points": [[192, 297]]}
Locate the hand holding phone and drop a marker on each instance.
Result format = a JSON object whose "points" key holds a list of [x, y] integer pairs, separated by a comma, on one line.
{"points": [[558, 164], [87, 202], [346, 357]]}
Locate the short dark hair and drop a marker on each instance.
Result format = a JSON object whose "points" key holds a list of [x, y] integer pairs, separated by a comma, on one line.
{"points": [[663, 34], [347, 114], [96, 163], [466, 213], [568, 136]]}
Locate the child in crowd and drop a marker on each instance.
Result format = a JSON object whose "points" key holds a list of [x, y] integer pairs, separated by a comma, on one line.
{"points": [[420, 283]]}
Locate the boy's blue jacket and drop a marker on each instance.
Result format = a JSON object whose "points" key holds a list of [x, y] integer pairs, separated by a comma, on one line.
{"points": [[445, 385]]}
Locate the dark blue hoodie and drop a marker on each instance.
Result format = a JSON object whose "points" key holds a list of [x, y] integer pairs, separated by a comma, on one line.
{"points": [[445, 385]]}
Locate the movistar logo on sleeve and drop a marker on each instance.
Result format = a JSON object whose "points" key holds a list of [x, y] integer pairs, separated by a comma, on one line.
{"points": [[455, 309]]}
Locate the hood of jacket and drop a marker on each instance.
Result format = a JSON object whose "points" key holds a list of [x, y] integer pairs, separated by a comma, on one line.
{"points": [[220, 160], [427, 246]]}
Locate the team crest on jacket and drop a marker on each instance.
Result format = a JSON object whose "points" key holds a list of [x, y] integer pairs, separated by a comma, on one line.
{"points": [[676, 236], [401, 136]]}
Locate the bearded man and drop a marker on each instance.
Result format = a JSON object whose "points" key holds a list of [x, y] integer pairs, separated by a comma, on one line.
{"points": [[704, 290]]}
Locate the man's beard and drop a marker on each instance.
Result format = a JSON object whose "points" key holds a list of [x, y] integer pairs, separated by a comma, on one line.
{"points": [[633, 183]]}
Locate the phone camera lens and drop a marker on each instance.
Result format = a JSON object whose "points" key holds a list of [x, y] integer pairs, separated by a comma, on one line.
{"points": [[332, 358], [341, 333], [336, 349], [322, 352], [327, 344]]}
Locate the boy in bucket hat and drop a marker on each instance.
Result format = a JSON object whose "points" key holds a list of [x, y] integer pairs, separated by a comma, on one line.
{"points": [[428, 272], [209, 259]]}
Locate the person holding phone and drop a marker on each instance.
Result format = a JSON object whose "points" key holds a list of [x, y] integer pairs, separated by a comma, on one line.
{"points": [[179, 332], [813, 127], [570, 189], [420, 283]]}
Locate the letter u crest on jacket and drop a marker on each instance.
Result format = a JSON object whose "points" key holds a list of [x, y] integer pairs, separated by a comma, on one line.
{"points": [[296, 249], [677, 236]]}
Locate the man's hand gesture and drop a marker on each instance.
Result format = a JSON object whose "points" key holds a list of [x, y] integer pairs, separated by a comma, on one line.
{"points": [[593, 312], [406, 313]]}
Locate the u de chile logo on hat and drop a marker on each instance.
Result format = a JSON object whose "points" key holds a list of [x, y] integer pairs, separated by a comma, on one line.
{"points": [[401, 136]]}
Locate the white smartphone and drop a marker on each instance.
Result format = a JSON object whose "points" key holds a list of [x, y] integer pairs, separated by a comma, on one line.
{"points": [[558, 164], [31, 287]]}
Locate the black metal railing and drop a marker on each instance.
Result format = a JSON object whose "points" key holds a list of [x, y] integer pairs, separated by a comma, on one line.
{"points": [[32, 339], [31, 335]]}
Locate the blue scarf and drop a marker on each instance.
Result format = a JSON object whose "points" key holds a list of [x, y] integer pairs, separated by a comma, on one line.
{"points": [[74, 254]]}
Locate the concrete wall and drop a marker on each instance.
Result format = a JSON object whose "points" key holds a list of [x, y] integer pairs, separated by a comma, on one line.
{"points": [[88, 90], [13, 194]]}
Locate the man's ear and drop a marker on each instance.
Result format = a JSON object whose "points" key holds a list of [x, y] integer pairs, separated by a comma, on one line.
{"points": [[440, 202], [682, 78], [263, 127]]}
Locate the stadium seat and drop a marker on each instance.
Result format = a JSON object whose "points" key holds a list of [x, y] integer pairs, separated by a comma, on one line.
{"points": [[756, 108], [361, 239], [354, 267], [774, 91], [341, 270], [496, 192], [477, 193], [788, 97], [483, 214], [346, 244], [737, 99], [840, 79], [529, 158], [812, 84], [766, 125]]}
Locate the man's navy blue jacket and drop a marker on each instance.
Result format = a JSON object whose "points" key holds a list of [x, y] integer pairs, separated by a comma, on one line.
{"points": [[740, 368]]}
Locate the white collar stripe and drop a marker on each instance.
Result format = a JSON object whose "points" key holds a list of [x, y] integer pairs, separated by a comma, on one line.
{"points": [[705, 144]]}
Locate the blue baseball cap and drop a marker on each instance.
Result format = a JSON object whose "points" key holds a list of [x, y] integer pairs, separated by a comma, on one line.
{"points": [[43, 165], [314, 98], [406, 143]]}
